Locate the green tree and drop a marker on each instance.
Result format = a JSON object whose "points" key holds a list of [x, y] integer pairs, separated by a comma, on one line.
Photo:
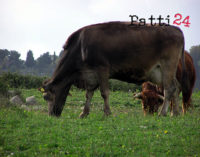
{"points": [[3, 54], [195, 53], [44, 60], [30, 62], [44, 63], [3, 57], [54, 58], [12, 62]]}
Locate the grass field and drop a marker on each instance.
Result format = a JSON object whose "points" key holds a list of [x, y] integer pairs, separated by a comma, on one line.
{"points": [[31, 132]]}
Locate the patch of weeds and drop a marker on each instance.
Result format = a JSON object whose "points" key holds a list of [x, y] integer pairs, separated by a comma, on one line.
{"points": [[4, 101], [124, 133], [2, 141], [19, 93], [129, 104]]}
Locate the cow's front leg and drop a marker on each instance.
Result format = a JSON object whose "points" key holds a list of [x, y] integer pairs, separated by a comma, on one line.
{"points": [[168, 95], [86, 110], [164, 109]]}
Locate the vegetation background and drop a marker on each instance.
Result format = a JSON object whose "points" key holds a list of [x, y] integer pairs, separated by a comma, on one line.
{"points": [[44, 65]]}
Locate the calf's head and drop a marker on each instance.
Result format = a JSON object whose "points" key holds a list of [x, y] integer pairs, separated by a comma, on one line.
{"points": [[151, 101]]}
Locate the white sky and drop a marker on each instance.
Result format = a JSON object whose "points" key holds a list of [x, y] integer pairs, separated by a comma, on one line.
{"points": [[44, 25]]}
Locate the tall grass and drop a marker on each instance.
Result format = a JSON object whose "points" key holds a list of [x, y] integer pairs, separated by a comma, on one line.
{"points": [[15, 80]]}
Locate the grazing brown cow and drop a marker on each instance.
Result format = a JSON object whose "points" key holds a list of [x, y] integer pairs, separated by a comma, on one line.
{"points": [[151, 94], [94, 54]]}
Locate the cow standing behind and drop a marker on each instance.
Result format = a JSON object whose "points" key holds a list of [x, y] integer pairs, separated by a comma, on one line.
{"points": [[135, 54], [152, 95]]}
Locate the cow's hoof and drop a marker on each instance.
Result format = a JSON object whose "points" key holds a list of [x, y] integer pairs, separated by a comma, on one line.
{"points": [[83, 115]]}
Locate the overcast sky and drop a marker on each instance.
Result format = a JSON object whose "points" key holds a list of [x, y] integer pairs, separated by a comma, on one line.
{"points": [[44, 25]]}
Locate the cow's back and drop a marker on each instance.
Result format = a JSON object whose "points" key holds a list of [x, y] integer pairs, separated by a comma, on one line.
{"points": [[128, 51]]}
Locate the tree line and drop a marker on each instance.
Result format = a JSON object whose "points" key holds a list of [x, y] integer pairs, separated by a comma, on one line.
{"points": [[44, 65], [195, 53]]}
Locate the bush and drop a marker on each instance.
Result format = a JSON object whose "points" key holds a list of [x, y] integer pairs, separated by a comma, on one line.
{"points": [[15, 80], [3, 87], [116, 85], [4, 101]]}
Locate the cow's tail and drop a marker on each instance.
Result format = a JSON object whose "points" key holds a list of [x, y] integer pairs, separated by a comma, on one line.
{"points": [[185, 83]]}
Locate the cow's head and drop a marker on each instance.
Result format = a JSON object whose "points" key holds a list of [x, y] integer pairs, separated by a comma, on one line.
{"points": [[55, 95]]}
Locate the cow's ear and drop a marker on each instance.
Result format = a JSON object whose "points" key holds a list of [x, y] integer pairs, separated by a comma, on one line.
{"points": [[137, 95]]}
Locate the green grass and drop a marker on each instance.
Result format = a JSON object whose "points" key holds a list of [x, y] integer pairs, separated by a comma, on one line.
{"points": [[125, 133]]}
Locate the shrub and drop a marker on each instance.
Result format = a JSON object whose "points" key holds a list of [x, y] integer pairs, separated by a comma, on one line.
{"points": [[116, 85], [3, 87], [15, 80], [4, 101]]}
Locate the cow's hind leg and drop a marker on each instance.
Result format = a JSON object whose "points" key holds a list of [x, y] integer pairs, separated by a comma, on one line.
{"points": [[104, 89], [86, 110]]}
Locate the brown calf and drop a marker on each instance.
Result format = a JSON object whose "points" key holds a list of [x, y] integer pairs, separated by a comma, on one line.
{"points": [[152, 95]]}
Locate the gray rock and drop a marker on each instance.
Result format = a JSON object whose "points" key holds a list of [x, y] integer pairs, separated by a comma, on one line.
{"points": [[16, 100], [25, 107], [31, 101]]}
